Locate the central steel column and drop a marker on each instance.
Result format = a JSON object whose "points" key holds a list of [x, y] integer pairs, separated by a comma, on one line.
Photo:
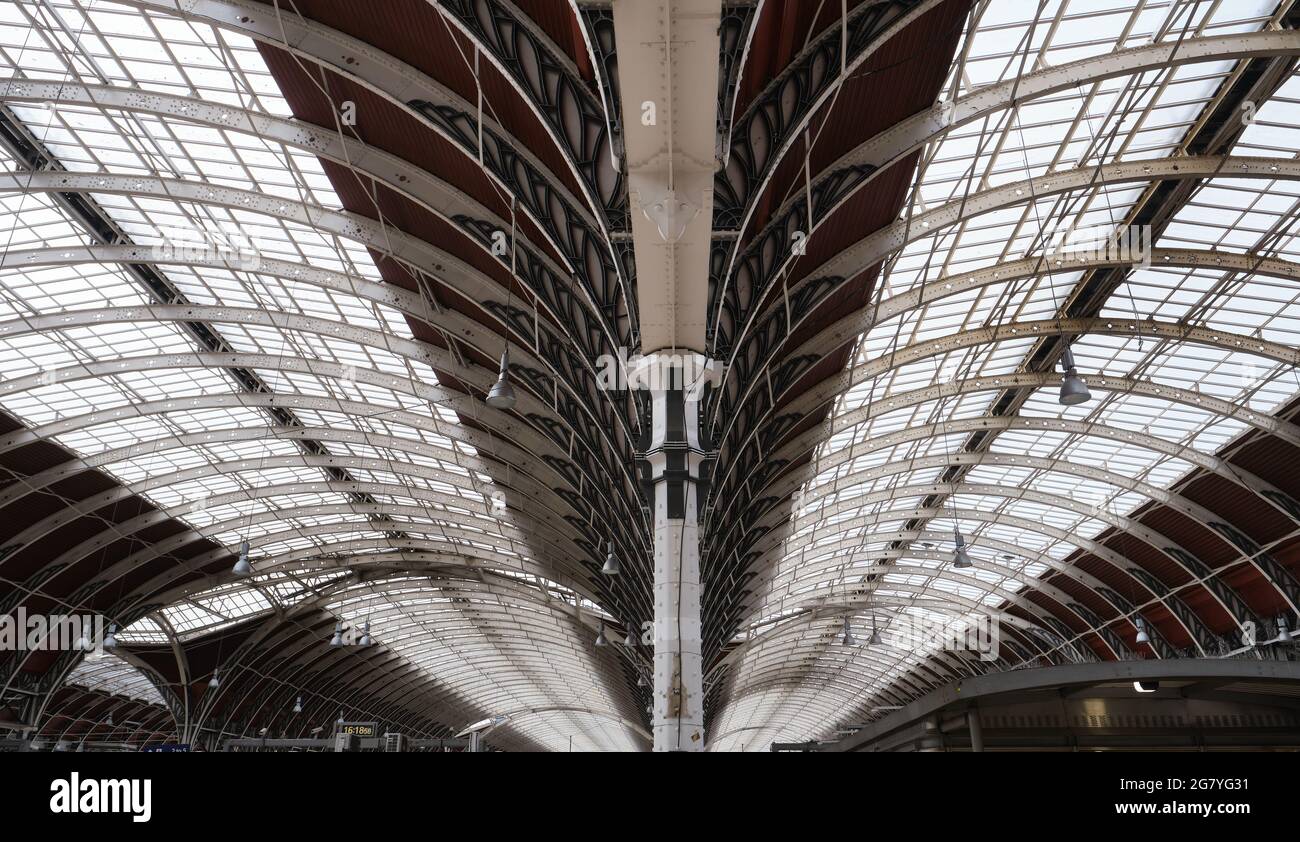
{"points": [[668, 59], [673, 462]]}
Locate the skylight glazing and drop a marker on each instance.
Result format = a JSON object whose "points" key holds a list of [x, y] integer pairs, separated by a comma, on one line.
{"points": [[863, 544], [136, 396], [110, 674]]}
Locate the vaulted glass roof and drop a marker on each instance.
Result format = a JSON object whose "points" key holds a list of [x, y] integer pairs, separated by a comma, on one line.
{"points": [[873, 538], [191, 303], [346, 449], [110, 674]]}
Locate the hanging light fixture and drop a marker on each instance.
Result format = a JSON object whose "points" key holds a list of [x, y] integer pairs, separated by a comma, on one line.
{"points": [[960, 558], [1073, 390], [875, 634], [339, 721], [366, 639], [848, 634], [640, 680], [1142, 636], [611, 567], [502, 394], [601, 640], [215, 681], [629, 639], [1283, 628], [337, 639], [297, 705], [242, 567], [110, 639], [671, 214]]}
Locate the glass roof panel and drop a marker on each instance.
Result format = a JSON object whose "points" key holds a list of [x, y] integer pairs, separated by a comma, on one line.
{"points": [[133, 399], [873, 537]]}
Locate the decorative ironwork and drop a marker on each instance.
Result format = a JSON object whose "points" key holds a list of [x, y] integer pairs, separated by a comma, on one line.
{"points": [[573, 111], [580, 243], [755, 271], [733, 37], [765, 127]]}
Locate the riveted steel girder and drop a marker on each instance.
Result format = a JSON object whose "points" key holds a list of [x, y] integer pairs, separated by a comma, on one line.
{"points": [[760, 345], [745, 460], [550, 83], [569, 221], [578, 377], [773, 123], [559, 453], [541, 351], [842, 180]]}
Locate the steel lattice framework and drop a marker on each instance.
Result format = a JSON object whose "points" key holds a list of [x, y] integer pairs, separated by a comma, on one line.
{"points": [[229, 311]]}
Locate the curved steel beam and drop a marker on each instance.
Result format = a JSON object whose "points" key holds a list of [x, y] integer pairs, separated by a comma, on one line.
{"points": [[821, 695], [739, 23], [508, 161], [506, 531], [504, 424], [807, 444], [408, 557], [512, 478], [635, 727], [1168, 597], [787, 635], [422, 188], [770, 658], [453, 207], [786, 484], [1188, 621], [749, 362], [367, 232], [1197, 573], [236, 677], [397, 174], [524, 464], [854, 325], [1195, 569], [824, 566], [818, 665], [553, 89], [776, 119], [775, 540], [409, 303], [832, 387], [505, 549], [1013, 597], [853, 171], [338, 591], [552, 523], [264, 641], [465, 554], [1214, 464]]}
